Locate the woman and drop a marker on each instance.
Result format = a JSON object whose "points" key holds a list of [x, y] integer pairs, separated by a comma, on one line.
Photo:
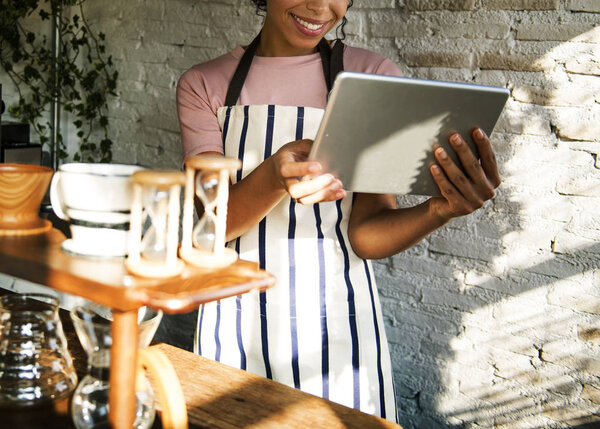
{"points": [[320, 328]]}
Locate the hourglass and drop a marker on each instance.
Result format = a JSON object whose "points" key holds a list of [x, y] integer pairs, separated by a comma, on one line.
{"points": [[156, 197], [204, 246]]}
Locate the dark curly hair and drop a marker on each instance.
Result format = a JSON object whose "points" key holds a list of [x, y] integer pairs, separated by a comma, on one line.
{"points": [[261, 7]]}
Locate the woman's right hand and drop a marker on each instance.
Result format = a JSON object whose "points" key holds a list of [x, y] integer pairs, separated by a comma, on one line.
{"points": [[301, 178]]}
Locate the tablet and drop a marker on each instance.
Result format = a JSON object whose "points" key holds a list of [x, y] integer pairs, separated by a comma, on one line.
{"points": [[378, 132]]}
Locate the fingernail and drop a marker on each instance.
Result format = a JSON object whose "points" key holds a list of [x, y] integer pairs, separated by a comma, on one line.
{"points": [[479, 133], [435, 169], [442, 153], [335, 185], [455, 139], [340, 194], [313, 168]]}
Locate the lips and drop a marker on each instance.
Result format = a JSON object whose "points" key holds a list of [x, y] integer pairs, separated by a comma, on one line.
{"points": [[309, 26]]}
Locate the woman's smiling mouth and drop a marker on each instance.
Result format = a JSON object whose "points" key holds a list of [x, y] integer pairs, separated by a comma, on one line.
{"points": [[312, 27]]}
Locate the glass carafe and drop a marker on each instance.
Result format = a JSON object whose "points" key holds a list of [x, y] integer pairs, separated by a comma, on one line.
{"points": [[89, 406], [35, 364]]}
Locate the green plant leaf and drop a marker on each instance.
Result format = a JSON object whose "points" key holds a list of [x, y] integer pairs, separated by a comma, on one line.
{"points": [[82, 87]]}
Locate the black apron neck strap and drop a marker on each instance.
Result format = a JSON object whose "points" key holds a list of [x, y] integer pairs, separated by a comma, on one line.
{"points": [[239, 77], [331, 58]]}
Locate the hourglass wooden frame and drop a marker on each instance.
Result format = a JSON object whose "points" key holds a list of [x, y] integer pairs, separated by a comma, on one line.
{"points": [[220, 256], [172, 181]]}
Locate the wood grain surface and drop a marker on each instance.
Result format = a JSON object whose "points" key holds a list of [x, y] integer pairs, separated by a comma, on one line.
{"points": [[22, 188], [217, 396], [41, 260]]}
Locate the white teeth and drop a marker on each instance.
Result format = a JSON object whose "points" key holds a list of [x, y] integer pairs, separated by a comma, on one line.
{"points": [[308, 25]]}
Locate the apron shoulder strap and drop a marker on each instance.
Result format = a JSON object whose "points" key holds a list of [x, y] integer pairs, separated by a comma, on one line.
{"points": [[239, 77], [332, 60]]}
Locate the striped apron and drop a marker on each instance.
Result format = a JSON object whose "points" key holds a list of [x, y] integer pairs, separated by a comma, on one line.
{"points": [[320, 328]]}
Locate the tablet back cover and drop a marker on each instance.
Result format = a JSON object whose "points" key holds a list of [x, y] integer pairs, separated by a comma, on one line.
{"points": [[378, 132]]}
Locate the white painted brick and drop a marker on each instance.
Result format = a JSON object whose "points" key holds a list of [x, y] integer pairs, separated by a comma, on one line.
{"points": [[537, 238], [510, 365], [557, 266], [561, 32], [428, 321], [443, 73], [591, 393], [460, 244], [585, 187], [454, 5], [518, 118], [565, 351], [583, 64], [583, 5], [451, 299], [522, 4], [589, 333], [569, 243], [575, 300], [373, 4], [385, 24], [421, 266], [578, 123], [587, 220], [564, 95]]}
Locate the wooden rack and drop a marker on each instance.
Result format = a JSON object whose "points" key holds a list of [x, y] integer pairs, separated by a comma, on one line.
{"points": [[40, 259]]}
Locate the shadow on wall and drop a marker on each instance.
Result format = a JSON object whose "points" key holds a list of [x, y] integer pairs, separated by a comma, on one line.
{"points": [[500, 325]]}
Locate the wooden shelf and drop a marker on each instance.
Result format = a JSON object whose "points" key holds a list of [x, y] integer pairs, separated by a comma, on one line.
{"points": [[40, 259]]}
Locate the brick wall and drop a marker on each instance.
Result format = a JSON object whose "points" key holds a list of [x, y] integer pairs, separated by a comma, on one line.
{"points": [[494, 320]]}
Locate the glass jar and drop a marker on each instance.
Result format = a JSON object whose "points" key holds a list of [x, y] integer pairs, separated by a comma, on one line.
{"points": [[89, 405], [35, 364]]}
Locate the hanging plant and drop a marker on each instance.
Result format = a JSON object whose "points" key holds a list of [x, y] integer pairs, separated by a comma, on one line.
{"points": [[81, 77]]}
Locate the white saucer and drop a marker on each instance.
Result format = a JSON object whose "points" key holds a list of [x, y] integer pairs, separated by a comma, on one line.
{"points": [[74, 248]]}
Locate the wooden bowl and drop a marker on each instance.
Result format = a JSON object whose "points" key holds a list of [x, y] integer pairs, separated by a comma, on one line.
{"points": [[22, 188]]}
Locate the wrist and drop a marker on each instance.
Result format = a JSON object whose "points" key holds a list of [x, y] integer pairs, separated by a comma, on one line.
{"points": [[437, 212], [272, 169], [273, 182]]}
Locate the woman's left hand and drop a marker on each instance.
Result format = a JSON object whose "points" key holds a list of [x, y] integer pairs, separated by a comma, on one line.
{"points": [[464, 192]]}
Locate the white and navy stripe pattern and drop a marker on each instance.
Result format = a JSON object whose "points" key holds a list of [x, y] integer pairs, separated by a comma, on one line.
{"points": [[320, 328]]}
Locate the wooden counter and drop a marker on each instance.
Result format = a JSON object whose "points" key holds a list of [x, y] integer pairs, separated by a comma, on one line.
{"points": [[217, 396]]}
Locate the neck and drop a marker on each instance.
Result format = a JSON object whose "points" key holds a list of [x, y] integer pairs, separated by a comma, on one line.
{"points": [[277, 47]]}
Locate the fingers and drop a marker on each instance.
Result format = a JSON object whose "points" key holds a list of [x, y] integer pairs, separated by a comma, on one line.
{"points": [[447, 189], [454, 185], [319, 189], [300, 169], [487, 157], [302, 179], [466, 189], [473, 168]]}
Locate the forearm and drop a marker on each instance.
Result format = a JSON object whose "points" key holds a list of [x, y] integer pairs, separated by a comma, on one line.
{"points": [[251, 199], [391, 231]]}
